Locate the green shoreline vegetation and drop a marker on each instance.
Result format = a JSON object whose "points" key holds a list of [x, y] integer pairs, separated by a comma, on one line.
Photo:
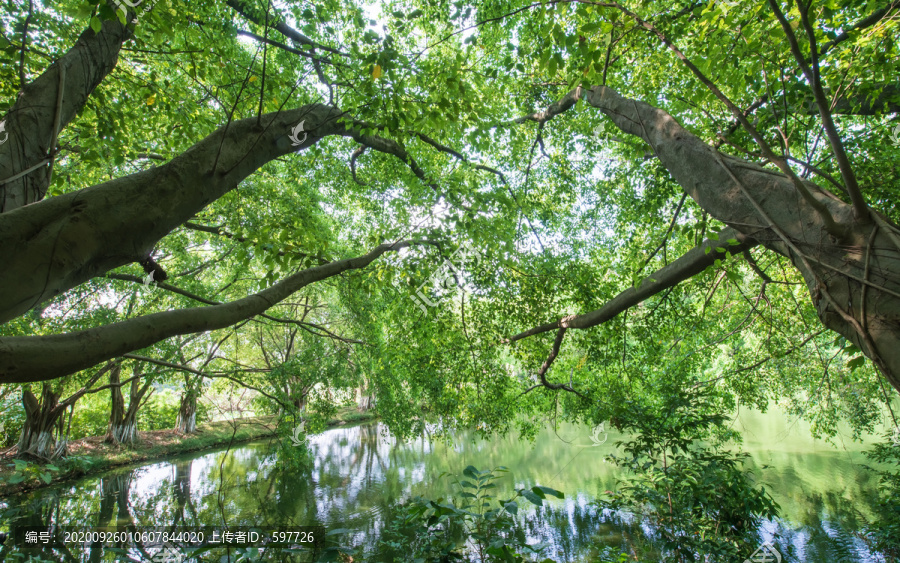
{"points": [[91, 455]]}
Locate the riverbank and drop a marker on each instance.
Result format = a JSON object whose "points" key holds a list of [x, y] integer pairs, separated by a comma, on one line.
{"points": [[92, 455]]}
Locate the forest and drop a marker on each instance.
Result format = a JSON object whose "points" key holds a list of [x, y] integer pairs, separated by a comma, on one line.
{"points": [[240, 235]]}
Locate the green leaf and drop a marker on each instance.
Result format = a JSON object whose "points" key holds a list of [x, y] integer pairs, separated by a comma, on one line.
{"points": [[549, 491], [531, 497], [96, 24], [856, 362]]}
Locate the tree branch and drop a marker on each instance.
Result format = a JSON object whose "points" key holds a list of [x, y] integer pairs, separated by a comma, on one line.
{"points": [[690, 264], [39, 358]]}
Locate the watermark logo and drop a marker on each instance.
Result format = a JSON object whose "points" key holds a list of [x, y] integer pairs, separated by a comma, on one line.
{"points": [[895, 135], [295, 141], [766, 553], [2, 431], [295, 439], [124, 5], [3, 132], [895, 438], [448, 276], [168, 554], [595, 435], [149, 281]]}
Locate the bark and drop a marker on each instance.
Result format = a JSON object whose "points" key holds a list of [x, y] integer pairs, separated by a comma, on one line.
{"points": [[53, 245], [42, 432], [364, 398], [40, 112], [122, 427], [39, 358], [115, 429], [854, 282], [186, 421]]}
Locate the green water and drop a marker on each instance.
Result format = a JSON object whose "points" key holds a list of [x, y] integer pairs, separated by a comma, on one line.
{"points": [[359, 472]]}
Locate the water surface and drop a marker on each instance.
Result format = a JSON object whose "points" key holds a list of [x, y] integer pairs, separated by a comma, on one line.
{"points": [[359, 472]]}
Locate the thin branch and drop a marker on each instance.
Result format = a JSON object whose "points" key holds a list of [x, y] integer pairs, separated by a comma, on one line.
{"points": [[685, 267], [763, 361], [813, 75], [542, 373], [665, 236], [189, 369], [24, 45]]}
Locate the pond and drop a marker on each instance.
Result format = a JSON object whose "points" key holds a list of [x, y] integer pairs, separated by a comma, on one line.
{"points": [[358, 472]]}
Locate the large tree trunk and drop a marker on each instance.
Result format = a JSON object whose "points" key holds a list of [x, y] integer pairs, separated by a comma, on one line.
{"points": [[122, 427], [364, 399], [115, 430], [855, 290], [186, 422], [42, 434]]}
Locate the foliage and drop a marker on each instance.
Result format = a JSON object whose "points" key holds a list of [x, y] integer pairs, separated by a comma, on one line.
{"points": [[91, 416], [697, 497], [26, 471], [884, 531], [476, 525], [292, 445]]}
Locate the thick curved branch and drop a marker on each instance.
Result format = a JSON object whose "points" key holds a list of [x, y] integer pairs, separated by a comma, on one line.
{"points": [[51, 246], [34, 122], [687, 266], [39, 358]]}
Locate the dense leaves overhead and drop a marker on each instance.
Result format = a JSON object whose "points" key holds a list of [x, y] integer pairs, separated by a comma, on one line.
{"points": [[454, 137]]}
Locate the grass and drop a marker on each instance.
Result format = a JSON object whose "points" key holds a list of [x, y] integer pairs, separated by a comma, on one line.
{"points": [[92, 455]]}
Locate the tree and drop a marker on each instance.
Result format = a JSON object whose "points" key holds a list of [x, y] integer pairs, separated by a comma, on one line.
{"points": [[123, 421], [521, 84], [44, 433]]}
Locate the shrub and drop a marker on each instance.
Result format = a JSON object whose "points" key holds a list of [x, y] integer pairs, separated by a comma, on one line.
{"points": [[475, 523]]}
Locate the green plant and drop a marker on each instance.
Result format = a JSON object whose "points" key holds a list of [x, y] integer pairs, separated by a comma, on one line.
{"points": [[698, 498], [476, 523], [883, 534], [25, 471], [77, 464]]}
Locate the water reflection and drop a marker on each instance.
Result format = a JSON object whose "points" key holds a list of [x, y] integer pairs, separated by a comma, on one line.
{"points": [[359, 472]]}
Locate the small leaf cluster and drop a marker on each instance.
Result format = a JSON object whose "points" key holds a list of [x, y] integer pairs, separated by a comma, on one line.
{"points": [[695, 495], [25, 471], [476, 525]]}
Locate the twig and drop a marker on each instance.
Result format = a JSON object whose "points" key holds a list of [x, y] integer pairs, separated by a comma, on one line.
{"points": [[24, 46], [861, 210]]}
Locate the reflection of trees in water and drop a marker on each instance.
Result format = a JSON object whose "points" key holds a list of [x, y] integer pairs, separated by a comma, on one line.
{"points": [[356, 476], [41, 512], [181, 492]]}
